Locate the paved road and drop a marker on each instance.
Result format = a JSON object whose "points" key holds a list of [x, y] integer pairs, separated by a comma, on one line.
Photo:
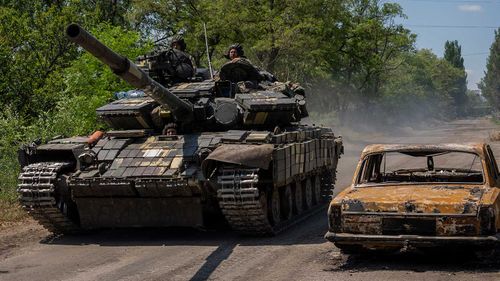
{"points": [[29, 253]]}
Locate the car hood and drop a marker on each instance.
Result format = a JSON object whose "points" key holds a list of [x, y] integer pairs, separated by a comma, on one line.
{"points": [[445, 199]]}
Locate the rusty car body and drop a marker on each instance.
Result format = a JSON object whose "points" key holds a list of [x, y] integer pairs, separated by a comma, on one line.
{"points": [[418, 196]]}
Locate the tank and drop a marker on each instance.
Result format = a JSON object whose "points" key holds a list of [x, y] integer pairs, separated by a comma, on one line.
{"points": [[184, 152]]}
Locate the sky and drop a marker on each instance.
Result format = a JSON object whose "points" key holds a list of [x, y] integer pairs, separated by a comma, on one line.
{"points": [[471, 23]]}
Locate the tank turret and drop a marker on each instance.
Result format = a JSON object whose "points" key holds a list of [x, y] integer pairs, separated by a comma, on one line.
{"points": [[242, 97], [128, 71]]}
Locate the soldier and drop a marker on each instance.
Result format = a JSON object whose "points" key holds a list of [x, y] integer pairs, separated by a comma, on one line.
{"points": [[183, 64], [178, 43], [240, 70], [170, 129], [235, 51]]}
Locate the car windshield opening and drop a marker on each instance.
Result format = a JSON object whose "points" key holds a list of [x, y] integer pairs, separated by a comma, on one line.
{"points": [[421, 166]]}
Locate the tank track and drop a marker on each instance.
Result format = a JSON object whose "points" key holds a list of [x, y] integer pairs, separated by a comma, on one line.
{"points": [[240, 203], [37, 184]]}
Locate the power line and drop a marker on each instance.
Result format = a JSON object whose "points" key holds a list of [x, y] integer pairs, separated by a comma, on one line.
{"points": [[451, 1], [451, 26], [475, 54]]}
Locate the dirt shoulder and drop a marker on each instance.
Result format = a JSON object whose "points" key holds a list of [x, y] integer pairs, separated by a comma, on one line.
{"points": [[14, 235]]}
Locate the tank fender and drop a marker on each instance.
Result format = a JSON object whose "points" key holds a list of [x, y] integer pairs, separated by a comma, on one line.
{"points": [[249, 155]]}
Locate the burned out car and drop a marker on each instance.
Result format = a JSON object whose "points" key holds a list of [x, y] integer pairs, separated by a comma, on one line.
{"points": [[417, 196]]}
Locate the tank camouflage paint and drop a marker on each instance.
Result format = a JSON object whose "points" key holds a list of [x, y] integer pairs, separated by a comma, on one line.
{"points": [[238, 154]]}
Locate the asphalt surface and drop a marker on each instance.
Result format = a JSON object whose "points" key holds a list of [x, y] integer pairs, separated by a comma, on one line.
{"points": [[27, 252]]}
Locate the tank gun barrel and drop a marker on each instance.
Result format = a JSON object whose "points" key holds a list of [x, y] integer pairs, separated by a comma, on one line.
{"points": [[128, 71]]}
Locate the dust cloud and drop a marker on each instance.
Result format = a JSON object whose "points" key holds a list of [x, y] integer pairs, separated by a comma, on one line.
{"points": [[351, 113]]}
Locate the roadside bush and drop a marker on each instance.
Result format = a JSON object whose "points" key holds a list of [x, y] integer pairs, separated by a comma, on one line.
{"points": [[12, 132]]}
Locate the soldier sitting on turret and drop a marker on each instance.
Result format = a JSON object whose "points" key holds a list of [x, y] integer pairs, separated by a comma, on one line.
{"points": [[178, 43], [183, 64], [235, 51], [240, 70], [169, 66], [236, 54]]}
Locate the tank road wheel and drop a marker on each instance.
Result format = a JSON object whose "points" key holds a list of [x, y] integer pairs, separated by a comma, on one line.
{"points": [[308, 193], [68, 209], [298, 204], [286, 202], [274, 207], [63, 201], [317, 190], [263, 202]]}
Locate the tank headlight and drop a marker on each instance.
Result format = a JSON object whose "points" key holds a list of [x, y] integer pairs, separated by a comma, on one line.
{"points": [[87, 159]]}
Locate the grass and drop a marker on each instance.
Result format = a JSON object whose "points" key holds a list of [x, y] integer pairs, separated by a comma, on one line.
{"points": [[10, 209], [11, 212]]}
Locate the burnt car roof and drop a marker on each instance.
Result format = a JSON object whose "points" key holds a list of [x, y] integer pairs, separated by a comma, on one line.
{"points": [[423, 149]]}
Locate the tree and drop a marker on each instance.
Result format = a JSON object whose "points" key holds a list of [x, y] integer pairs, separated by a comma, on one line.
{"points": [[282, 36], [33, 47], [490, 83], [453, 55], [32, 53], [411, 91], [363, 46], [421, 88]]}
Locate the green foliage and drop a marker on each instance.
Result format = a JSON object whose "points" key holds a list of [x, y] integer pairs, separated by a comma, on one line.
{"points": [[284, 37], [477, 105], [422, 87], [369, 42], [362, 48], [453, 55], [94, 12], [29, 55], [490, 83], [11, 129]]}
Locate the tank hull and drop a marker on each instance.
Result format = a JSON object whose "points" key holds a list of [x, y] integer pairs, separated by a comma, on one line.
{"points": [[258, 182]]}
